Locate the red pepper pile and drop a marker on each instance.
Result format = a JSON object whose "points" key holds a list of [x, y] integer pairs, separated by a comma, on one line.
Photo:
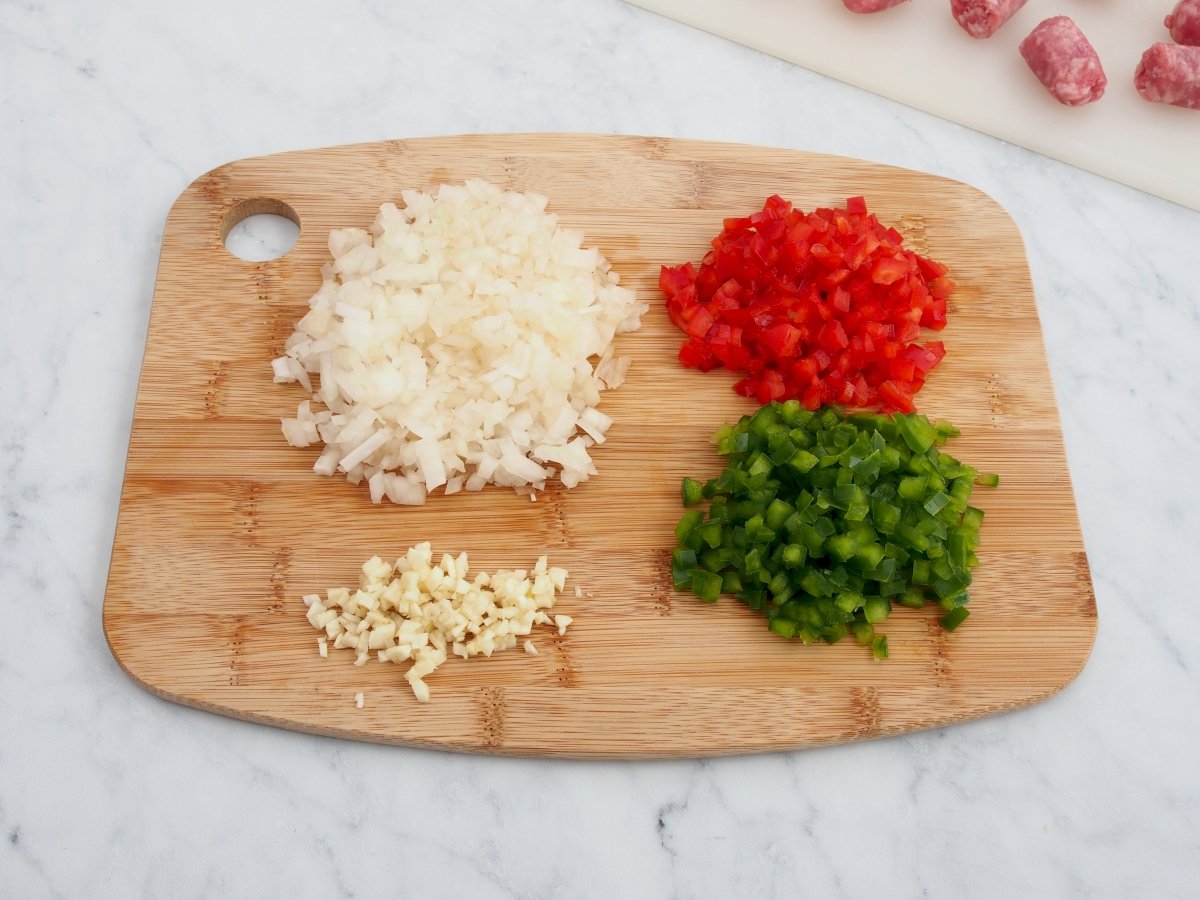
{"points": [[824, 307]]}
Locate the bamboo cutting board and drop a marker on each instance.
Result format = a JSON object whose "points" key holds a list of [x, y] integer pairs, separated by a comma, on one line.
{"points": [[223, 526]]}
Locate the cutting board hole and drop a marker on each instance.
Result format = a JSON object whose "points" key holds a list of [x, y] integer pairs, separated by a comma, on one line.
{"points": [[261, 229]]}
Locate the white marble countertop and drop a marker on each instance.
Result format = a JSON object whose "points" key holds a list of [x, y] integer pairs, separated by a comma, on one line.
{"points": [[106, 791]]}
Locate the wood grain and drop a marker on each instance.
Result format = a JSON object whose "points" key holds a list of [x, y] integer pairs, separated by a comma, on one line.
{"points": [[223, 526]]}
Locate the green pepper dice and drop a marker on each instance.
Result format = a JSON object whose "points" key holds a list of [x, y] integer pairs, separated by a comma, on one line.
{"points": [[826, 522]]}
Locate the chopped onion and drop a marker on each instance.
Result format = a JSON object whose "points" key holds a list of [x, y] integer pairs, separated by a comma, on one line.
{"points": [[454, 345], [612, 370]]}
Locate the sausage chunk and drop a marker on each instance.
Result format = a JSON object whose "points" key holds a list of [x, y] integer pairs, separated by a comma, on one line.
{"points": [[1170, 73], [870, 6], [1065, 61], [1184, 23], [983, 18]]}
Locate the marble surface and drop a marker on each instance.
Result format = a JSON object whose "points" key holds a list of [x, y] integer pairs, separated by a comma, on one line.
{"points": [[108, 110]]}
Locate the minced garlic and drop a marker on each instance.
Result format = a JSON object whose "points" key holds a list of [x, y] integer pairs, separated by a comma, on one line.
{"points": [[422, 612]]}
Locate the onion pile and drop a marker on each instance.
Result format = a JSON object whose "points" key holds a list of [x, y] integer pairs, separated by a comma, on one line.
{"points": [[454, 344]]}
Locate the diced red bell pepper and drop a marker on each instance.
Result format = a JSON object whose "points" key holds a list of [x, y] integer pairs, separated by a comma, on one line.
{"points": [[824, 306], [782, 340], [701, 321], [697, 355], [673, 279], [896, 396], [930, 268], [888, 271], [833, 336]]}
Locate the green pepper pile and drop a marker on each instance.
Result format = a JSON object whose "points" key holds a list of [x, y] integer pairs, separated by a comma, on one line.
{"points": [[823, 520]]}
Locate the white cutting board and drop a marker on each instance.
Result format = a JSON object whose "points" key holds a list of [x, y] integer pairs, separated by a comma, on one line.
{"points": [[916, 53]]}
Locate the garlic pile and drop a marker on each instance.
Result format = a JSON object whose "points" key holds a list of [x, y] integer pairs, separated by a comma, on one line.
{"points": [[419, 611]]}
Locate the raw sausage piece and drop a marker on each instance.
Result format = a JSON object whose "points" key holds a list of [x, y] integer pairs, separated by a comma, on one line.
{"points": [[1170, 73], [1065, 61], [870, 6], [1184, 22], [983, 18]]}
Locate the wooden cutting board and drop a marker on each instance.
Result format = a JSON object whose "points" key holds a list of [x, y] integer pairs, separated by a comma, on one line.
{"points": [[917, 54], [223, 526]]}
